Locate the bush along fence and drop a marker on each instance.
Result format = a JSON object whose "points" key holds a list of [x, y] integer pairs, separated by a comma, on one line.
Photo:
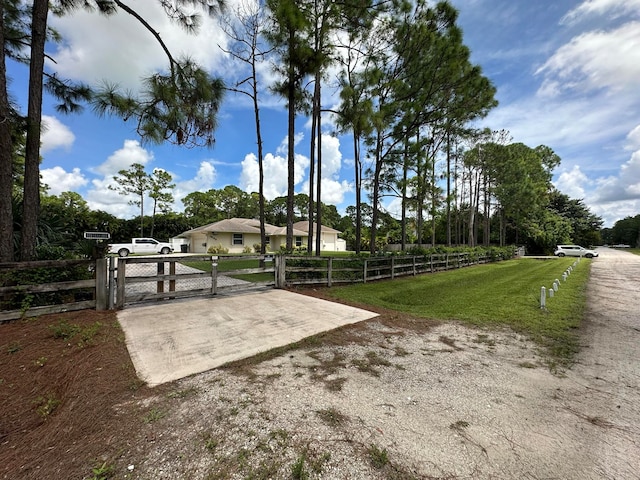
{"points": [[298, 270], [555, 287]]}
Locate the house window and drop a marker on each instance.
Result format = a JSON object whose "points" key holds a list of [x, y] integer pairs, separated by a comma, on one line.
{"points": [[267, 240], [298, 241], [237, 239]]}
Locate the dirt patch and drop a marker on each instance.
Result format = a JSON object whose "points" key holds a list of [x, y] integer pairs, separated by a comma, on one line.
{"points": [[395, 397], [68, 393]]}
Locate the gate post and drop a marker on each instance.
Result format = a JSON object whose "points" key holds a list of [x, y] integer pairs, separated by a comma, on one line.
{"points": [[112, 282], [280, 273], [214, 275], [101, 284], [122, 267]]}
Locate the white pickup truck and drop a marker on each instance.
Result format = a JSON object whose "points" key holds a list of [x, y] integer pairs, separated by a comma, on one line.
{"points": [[141, 245]]}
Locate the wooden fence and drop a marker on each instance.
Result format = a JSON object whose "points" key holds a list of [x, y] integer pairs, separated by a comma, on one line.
{"points": [[335, 270], [29, 289], [35, 288]]}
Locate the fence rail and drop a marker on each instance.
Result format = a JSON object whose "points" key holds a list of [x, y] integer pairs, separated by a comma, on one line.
{"points": [[334, 270], [35, 288], [29, 289], [141, 279]]}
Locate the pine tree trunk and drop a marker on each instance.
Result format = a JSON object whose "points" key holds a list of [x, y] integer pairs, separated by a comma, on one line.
{"points": [[6, 160], [31, 196], [319, 172]]}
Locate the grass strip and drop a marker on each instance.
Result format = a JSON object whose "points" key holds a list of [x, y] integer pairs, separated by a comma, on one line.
{"points": [[504, 293]]}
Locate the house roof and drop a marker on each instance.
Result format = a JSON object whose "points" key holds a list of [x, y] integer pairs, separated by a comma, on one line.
{"points": [[304, 226], [243, 225]]}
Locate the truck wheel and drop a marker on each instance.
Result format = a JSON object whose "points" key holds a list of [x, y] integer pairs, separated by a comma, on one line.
{"points": [[165, 251], [123, 252]]}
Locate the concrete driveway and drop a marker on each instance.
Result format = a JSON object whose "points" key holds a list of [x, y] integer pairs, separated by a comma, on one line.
{"points": [[176, 339]]}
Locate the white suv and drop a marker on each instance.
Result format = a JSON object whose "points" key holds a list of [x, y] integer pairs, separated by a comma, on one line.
{"points": [[574, 251]]}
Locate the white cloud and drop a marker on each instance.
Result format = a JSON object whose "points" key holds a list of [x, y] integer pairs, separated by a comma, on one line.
{"points": [[58, 180], [572, 183], [203, 181], [130, 52], [55, 134], [275, 171], [100, 196], [595, 60], [625, 186], [130, 153], [283, 148], [633, 138], [331, 156], [612, 8], [333, 191]]}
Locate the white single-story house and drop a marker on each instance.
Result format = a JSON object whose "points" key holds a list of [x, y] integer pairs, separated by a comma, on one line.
{"points": [[239, 235], [329, 240]]}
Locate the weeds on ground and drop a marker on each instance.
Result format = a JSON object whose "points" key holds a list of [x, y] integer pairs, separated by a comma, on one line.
{"points": [[102, 471], [46, 405], [40, 362], [370, 362], [298, 470], [154, 415], [332, 417], [459, 425], [70, 331], [14, 347], [378, 457]]}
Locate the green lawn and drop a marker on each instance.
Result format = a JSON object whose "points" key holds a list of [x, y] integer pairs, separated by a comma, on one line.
{"points": [[504, 293]]}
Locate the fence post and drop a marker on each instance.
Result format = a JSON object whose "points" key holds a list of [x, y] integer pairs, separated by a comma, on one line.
{"points": [[214, 275], [122, 273], [102, 293], [172, 272], [414, 266], [111, 285], [393, 266], [277, 262], [364, 271], [160, 283], [329, 271], [280, 266]]}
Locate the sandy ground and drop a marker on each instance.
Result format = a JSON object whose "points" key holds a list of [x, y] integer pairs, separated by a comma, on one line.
{"points": [[396, 402]]}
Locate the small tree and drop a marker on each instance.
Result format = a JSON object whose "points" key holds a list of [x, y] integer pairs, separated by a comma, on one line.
{"points": [[133, 181], [159, 183]]}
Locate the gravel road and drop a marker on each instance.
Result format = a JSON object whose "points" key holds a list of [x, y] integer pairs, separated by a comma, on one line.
{"points": [[448, 402]]}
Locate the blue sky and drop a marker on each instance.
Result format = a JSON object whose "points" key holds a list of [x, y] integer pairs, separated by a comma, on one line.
{"points": [[567, 74]]}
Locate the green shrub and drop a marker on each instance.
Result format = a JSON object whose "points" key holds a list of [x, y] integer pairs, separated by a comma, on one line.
{"points": [[217, 249]]}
